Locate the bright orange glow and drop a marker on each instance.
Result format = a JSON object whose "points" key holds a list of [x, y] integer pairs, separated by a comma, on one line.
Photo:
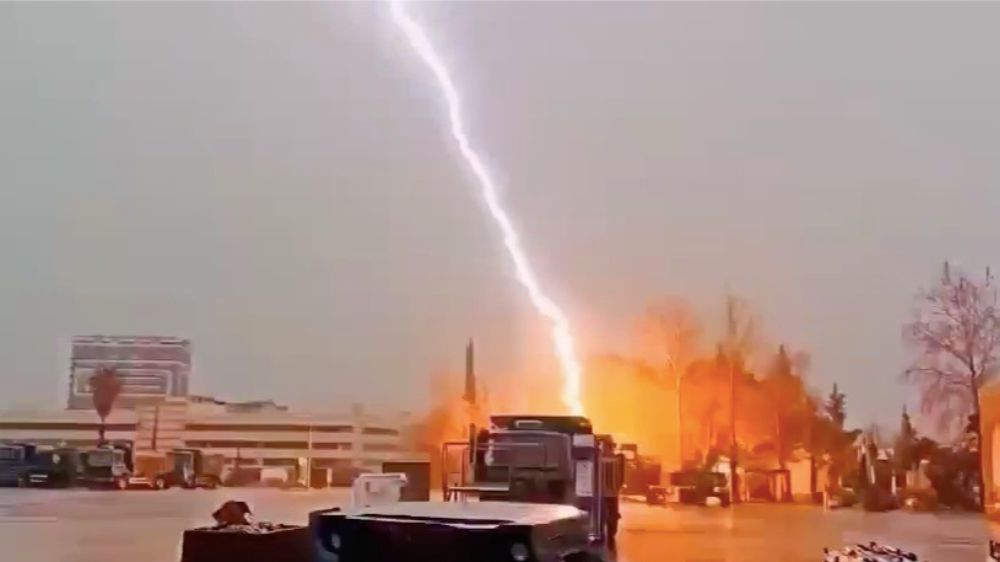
{"points": [[634, 404]]}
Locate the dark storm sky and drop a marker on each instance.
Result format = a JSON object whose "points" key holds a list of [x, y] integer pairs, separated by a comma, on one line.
{"points": [[275, 181]]}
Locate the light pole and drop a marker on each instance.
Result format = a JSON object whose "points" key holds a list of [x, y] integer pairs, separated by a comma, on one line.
{"points": [[733, 484], [156, 425], [309, 461], [678, 377]]}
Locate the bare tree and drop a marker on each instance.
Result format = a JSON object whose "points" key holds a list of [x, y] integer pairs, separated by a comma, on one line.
{"points": [[670, 334], [740, 341], [105, 388], [956, 334]]}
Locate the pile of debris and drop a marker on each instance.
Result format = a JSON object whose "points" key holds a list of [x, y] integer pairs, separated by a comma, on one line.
{"points": [[237, 537], [872, 552], [236, 517]]}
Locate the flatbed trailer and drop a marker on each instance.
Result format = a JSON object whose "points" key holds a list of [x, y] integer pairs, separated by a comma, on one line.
{"points": [[454, 532]]}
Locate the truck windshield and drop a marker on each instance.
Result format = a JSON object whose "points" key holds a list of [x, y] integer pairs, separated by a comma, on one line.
{"points": [[101, 458], [527, 450], [47, 458], [11, 454]]}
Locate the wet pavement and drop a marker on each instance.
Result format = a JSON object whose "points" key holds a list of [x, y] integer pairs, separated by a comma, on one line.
{"points": [[107, 526]]}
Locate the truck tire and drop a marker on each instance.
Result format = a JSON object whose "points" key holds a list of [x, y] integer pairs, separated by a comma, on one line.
{"points": [[159, 483], [121, 483]]}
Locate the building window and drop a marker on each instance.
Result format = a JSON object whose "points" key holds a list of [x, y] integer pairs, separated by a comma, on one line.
{"points": [[332, 446], [247, 444], [267, 427], [332, 463], [333, 428], [379, 431], [54, 426], [380, 447]]}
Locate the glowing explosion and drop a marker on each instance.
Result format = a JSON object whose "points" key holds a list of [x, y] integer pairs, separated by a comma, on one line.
{"points": [[546, 307]]}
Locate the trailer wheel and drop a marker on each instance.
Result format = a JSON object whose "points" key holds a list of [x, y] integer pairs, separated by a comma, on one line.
{"points": [[159, 483]]}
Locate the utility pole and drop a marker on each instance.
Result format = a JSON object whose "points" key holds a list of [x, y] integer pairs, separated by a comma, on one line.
{"points": [[672, 367], [471, 402], [731, 357], [309, 460], [156, 425], [680, 423], [733, 484]]}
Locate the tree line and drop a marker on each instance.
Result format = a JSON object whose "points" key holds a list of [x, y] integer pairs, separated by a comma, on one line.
{"points": [[743, 399]]}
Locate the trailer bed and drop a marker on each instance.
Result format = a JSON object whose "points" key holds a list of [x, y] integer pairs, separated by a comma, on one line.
{"points": [[450, 532]]}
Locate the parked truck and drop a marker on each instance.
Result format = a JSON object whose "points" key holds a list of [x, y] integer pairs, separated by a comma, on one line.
{"points": [[643, 475], [697, 486], [194, 468], [58, 467], [15, 461], [545, 459], [118, 466]]}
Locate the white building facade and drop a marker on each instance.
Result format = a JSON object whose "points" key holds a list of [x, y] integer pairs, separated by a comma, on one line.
{"points": [[262, 438]]}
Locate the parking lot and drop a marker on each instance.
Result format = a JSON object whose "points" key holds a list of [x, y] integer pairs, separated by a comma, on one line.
{"points": [[96, 526]]}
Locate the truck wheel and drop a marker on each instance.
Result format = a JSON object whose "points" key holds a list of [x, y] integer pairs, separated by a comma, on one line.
{"points": [[22, 481], [159, 483], [121, 484]]}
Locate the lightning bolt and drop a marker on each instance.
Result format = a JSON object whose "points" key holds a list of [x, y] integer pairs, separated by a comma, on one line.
{"points": [[561, 335]]}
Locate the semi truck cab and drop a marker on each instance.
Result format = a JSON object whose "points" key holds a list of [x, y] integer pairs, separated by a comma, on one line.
{"points": [[15, 461], [55, 468], [540, 459]]}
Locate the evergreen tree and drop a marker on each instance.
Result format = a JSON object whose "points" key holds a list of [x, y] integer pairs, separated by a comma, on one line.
{"points": [[906, 441], [836, 407]]}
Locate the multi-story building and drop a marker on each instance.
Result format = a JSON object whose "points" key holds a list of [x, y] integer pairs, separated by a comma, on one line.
{"points": [[254, 435], [151, 368]]}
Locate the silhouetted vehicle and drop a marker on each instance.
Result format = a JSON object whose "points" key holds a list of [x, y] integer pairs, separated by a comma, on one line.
{"points": [[117, 466], [15, 461], [55, 468], [642, 475], [240, 476], [193, 468], [541, 459], [696, 486]]}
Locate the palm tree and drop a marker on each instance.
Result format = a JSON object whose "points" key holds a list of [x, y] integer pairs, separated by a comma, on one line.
{"points": [[105, 388]]}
